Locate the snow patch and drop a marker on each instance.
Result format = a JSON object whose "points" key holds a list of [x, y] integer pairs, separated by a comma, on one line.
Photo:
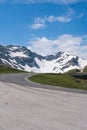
{"points": [[17, 54]]}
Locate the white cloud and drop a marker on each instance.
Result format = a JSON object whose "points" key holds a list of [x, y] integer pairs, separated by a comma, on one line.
{"points": [[67, 43], [38, 23], [41, 22], [52, 18], [62, 19], [41, 45], [37, 26]]}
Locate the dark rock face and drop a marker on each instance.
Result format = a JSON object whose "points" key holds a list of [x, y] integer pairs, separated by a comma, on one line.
{"points": [[53, 57], [74, 61]]}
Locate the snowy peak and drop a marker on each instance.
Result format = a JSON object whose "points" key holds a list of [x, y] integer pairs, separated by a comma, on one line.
{"points": [[22, 58], [60, 63]]}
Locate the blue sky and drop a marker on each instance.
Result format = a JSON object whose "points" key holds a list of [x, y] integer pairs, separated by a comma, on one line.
{"points": [[45, 26]]}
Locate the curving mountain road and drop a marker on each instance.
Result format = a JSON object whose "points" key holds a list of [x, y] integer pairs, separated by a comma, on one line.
{"points": [[27, 107], [22, 80], [39, 109]]}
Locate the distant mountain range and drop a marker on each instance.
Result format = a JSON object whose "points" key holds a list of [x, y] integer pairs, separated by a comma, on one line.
{"points": [[22, 58]]}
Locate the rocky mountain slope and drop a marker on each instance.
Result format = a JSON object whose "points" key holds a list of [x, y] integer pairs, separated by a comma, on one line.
{"points": [[22, 58]]}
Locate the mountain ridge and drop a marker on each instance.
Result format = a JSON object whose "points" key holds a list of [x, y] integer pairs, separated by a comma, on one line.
{"points": [[22, 58]]}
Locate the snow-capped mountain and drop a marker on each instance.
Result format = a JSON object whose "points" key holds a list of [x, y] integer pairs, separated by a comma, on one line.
{"points": [[22, 58]]}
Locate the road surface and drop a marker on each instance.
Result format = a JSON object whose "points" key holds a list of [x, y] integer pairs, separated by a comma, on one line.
{"points": [[30, 108], [21, 80]]}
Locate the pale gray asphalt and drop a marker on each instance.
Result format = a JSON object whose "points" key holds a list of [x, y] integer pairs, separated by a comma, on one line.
{"points": [[20, 79], [27, 107], [41, 109]]}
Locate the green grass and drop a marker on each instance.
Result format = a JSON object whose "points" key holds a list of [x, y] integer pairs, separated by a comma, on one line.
{"points": [[6, 69], [62, 80], [85, 69], [73, 71]]}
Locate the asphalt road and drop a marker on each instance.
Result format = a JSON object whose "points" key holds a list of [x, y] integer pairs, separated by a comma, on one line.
{"points": [[41, 109], [21, 80]]}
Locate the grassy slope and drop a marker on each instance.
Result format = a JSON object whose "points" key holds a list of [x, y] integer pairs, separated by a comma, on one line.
{"points": [[5, 69], [72, 71], [85, 69], [64, 80]]}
